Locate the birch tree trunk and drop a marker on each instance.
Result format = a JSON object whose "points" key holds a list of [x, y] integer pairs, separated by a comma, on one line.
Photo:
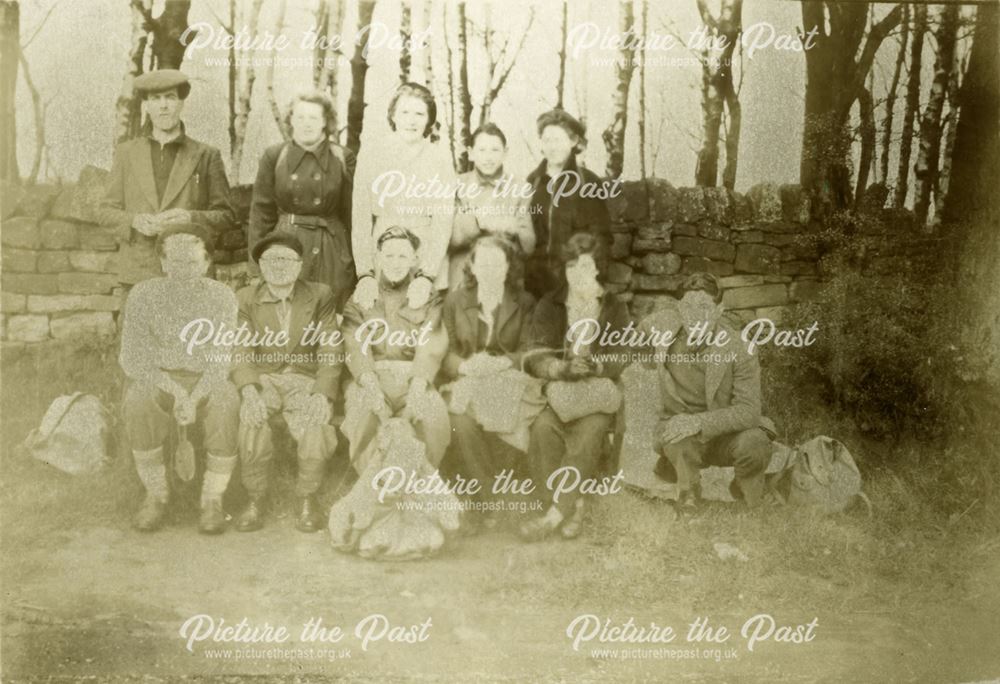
{"points": [[912, 106], [463, 95], [405, 34], [10, 50], [644, 13], [359, 69], [614, 134], [564, 33], [272, 99], [241, 85], [330, 24], [929, 154], [890, 98], [717, 88]]}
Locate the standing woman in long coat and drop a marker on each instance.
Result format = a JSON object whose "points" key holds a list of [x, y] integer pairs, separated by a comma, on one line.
{"points": [[304, 187], [405, 179], [556, 220]]}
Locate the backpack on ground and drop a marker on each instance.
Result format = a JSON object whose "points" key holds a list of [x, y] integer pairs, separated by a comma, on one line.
{"points": [[73, 435], [820, 473]]}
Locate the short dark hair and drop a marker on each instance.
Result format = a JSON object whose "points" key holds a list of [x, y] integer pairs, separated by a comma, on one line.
{"points": [[489, 128], [320, 98], [414, 90], [511, 249], [580, 244], [563, 119], [701, 282], [397, 233]]}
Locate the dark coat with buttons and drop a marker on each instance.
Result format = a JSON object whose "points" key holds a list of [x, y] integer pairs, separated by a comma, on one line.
{"points": [[309, 194]]}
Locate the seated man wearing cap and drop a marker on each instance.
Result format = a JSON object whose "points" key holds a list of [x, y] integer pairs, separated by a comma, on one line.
{"points": [[177, 375], [711, 396], [162, 177], [292, 365], [394, 353]]}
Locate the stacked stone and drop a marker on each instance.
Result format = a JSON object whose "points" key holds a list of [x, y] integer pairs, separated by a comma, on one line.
{"points": [[58, 274], [758, 244], [57, 278]]}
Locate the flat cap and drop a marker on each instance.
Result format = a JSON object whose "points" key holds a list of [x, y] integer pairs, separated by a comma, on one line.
{"points": [[198, 230], [163, 79], [276, 238]]}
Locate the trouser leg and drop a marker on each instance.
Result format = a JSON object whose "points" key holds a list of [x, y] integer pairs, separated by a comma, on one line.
{"points": [[256, 455], [546, 449], [222, 420], [148, 416], [152, 472], [148, 419], [686, 458], [584, 440], [471, 454], [316, 445], [749, 452]]}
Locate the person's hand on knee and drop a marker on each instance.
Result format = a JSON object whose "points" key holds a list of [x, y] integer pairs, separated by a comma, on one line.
{"points": [[253, 412]]}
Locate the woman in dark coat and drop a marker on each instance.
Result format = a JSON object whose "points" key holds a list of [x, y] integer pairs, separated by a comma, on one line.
{"points": [[563, 137], [304, 187], [492, 402], [582, 373]]}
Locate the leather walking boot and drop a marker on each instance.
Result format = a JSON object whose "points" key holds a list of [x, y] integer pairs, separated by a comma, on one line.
{"points": [[309, 518], [149, 517], [212, 520], [252, 517]]}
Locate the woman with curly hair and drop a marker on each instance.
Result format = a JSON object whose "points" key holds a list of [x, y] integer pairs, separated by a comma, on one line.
{"points": [[304, 187], [404, 180]]}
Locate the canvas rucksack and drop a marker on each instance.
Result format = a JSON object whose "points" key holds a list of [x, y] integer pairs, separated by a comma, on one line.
{"points": [[820, 473], [73, 435]]}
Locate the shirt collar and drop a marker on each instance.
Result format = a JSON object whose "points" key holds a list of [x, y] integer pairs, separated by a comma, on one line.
{"points": [[296, 153], [147, 131], [488, 182], [264, 294]]}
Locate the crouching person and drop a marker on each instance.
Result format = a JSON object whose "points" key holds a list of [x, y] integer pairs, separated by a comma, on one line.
{"points": [[293, 366], [711, 397], [175, 377], [582, 392], [394, 352]]}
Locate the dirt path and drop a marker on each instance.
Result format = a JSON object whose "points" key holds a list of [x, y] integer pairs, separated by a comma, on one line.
{"points": [[107, 601]]}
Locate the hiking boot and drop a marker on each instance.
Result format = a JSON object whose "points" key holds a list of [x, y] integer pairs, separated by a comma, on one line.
{"points": [[149, 518], [212, 520], [252, 517], [309, 519]]}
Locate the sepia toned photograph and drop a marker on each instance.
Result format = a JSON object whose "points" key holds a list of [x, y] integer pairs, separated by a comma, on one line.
{"points": [[500, 341]]}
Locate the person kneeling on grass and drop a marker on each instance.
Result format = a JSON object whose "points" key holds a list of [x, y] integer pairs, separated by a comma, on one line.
{"points": [[172, 381], [711, 397], [297, 373]]}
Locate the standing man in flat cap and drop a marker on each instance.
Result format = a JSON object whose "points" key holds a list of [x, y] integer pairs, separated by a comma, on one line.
{"points": [[178, 372], [293, 366], [162, 177]]}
